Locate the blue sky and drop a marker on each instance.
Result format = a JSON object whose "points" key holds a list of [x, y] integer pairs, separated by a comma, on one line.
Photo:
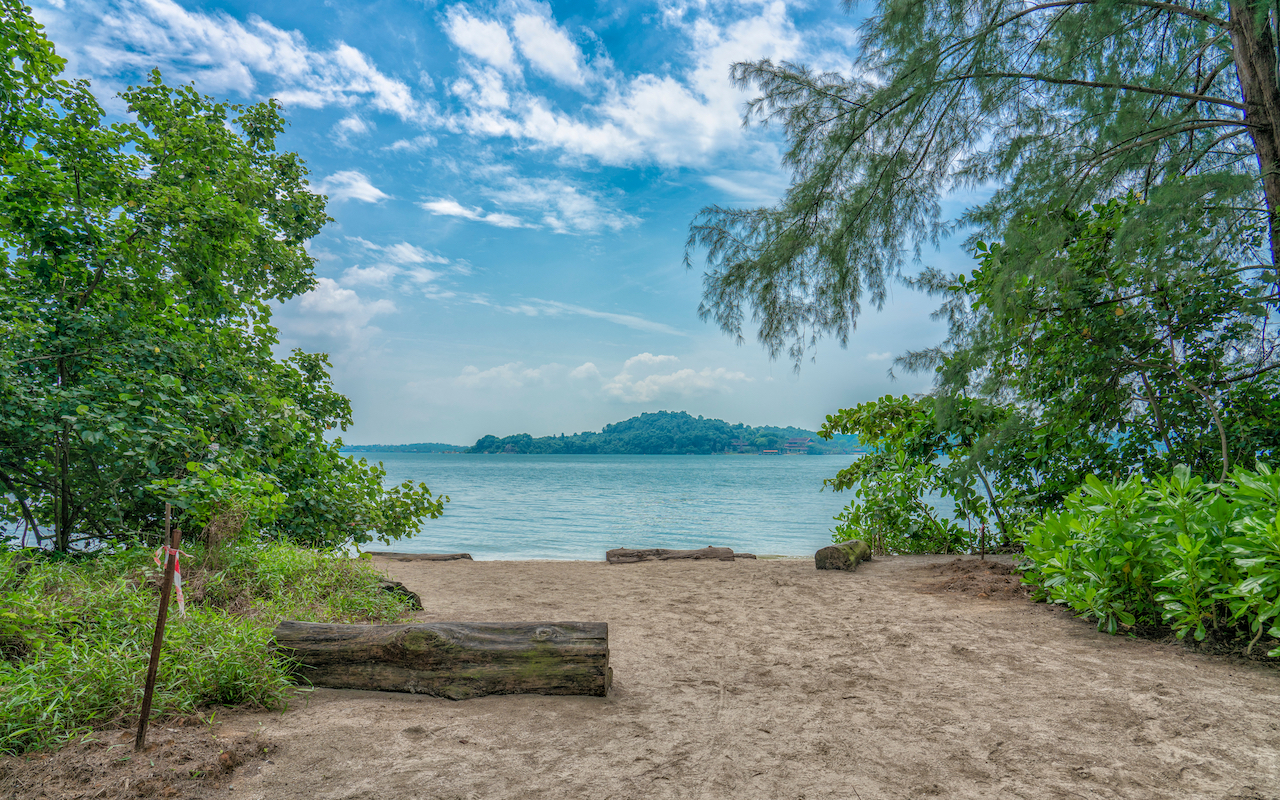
{"points": [[512, 184]]}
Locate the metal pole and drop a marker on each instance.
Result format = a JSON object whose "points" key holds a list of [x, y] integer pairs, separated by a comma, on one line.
{"points": [[172, 541]]}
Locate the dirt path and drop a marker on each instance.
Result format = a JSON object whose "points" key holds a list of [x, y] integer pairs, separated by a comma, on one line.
{"points": [[769, 679]]}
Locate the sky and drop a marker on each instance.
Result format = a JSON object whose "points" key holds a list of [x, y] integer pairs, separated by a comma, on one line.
{"points": [[511, 185]]}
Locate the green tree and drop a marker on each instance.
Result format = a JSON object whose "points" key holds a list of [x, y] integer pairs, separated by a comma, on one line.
{"points": [[138, 264], [913, 455], [1112, 364], [1059, 104]]}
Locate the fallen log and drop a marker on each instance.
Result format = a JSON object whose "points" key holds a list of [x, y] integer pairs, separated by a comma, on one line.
{"points": [[624, 555], [457, 660], [845, 556], [423, 556]]}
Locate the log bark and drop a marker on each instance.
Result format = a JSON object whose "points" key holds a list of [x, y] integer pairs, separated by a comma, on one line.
{"points": [[624, 555], [457, 660], [845, 556], [424, 556]]}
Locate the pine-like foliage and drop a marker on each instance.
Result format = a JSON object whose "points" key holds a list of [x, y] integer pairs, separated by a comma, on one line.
{"points": [[1057, 105]]}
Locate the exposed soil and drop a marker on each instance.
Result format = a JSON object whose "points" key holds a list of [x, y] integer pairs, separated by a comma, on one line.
{"points": [[192, 761], [993, 578], [769, 679]]}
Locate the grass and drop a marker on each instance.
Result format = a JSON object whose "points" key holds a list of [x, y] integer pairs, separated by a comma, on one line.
{"points": [[75, 634]]}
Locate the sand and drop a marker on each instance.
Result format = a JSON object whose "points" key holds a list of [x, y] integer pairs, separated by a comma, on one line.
{"points": [[770, 679]]}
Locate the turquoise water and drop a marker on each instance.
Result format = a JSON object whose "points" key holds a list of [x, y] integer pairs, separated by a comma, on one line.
{"points": [[577, 507]]}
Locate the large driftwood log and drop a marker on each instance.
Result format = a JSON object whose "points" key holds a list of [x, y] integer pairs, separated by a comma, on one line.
{"points": [[423, 556], [456, 660], [623, 555]]}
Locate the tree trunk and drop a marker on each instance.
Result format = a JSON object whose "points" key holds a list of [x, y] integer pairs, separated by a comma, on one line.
{"points": [[457, 660], [62, 540], [623, 555], [1253, 50], [62, 446]]}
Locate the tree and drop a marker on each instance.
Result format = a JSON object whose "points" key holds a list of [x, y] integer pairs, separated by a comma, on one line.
{"points": [[913, 456], [1112, 365], [138, 261], [1058, 103]]}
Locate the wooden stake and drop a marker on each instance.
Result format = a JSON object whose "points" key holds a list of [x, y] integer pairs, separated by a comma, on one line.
{"points": [[172, 542]]}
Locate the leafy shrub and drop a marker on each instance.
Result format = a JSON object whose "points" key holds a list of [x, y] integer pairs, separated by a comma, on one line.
{"points": [[890, 511], [75, 634], [915, 454], [1201, 558]]}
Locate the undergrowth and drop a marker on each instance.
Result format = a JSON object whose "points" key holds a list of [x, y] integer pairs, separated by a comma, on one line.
{"points": [[1175, 553], [75, 633]]}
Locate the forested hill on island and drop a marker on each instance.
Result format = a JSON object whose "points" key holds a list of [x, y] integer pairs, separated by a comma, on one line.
{"points": [[660, 433]]}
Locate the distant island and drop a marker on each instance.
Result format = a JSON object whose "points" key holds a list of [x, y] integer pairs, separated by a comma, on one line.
{"points": [[659, 433], [420, 447]]}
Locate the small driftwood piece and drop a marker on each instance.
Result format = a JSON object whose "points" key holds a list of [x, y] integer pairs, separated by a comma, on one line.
{"points": [[457, 660], [424, 556], [399, 589], [623, 555]]}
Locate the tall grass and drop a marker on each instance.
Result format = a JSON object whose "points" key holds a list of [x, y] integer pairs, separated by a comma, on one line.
{"points": [[75, 634]]}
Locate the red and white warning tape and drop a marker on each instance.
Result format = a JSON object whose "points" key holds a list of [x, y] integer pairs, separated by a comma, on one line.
{"points": [[177, 572]]}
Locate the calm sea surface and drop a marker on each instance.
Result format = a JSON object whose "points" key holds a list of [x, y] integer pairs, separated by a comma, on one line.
{"points": [[577, 507]]}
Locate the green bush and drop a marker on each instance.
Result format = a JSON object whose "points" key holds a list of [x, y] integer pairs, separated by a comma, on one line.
{"points": [[75, 633], [1200, 558], [891, 512]]}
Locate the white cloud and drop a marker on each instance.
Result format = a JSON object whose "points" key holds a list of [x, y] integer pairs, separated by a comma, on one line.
{"points": [[644, 378], [485, 39], [483, 88], [448, 207], [565, 208], [225, 54], [552, 308], [351, 185], [555, 308], [648, 360], [879, 356], [585, 372], [332, 310], [350, 127], [405, 253], [548, 48], [399, 260], [513, 375], [376, 275], [415, 145], [755, 187], [632, 385], [422, 275], [680, 118], [402, 253]]}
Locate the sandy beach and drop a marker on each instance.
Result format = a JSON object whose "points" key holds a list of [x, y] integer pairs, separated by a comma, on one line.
{"points": [[769, 679]]}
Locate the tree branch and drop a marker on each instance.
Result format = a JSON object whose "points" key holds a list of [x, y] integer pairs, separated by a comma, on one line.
{"points": [[1125, 87]]}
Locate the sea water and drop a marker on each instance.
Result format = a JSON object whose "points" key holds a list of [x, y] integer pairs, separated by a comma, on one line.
{"points": [[577, 507]]}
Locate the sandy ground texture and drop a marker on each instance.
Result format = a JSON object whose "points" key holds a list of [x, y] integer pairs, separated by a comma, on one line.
{"points": [[770, 679]]}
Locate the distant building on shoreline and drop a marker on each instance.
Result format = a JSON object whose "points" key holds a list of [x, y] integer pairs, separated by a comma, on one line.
{"points": [[797, 445]]}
